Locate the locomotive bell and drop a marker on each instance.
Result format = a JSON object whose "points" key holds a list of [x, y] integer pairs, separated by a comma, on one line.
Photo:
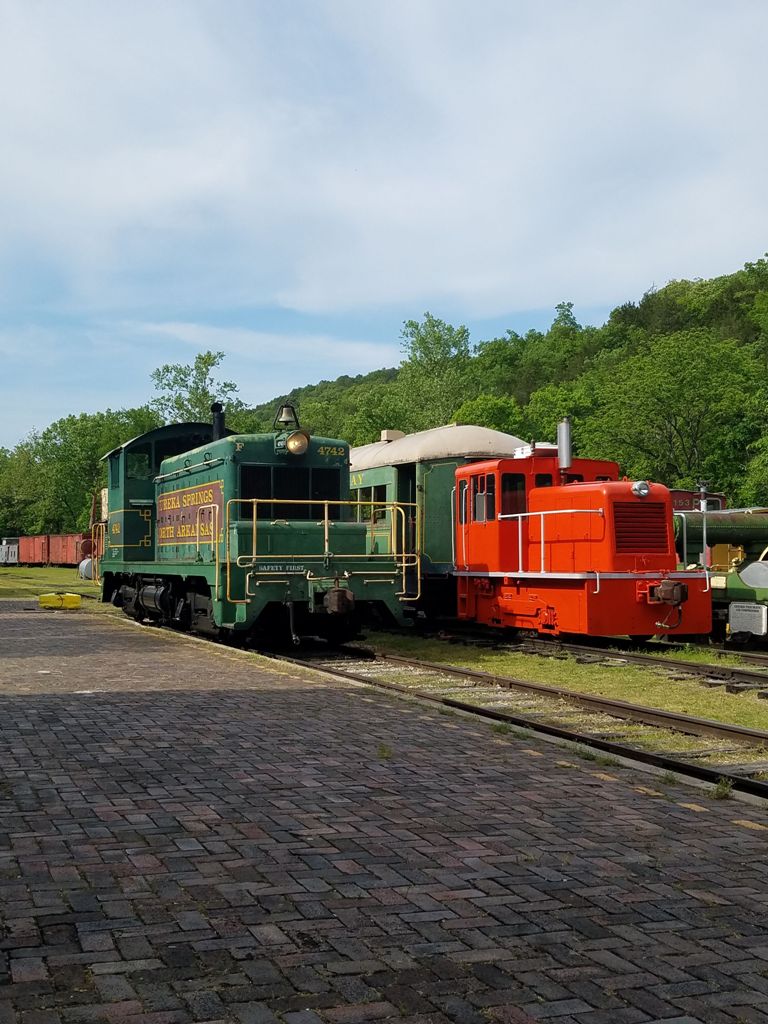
{"points": [[287, 417]]}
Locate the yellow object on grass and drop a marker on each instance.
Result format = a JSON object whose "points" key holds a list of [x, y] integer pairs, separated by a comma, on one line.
{"points": [[59, 600]]}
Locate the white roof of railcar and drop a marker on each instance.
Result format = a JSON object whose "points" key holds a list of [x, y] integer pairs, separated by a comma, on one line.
{"points": [[437, 443]]}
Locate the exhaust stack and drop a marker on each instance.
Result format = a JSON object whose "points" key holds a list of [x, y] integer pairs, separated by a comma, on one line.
{"points": [[217, 409], [564, 444]]}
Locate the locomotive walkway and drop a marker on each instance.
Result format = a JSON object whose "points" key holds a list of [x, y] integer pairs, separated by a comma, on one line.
{"points": [[197, 837]]}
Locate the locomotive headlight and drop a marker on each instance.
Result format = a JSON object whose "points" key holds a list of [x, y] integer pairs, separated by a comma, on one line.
{"points": [[641, 488], [297, 442]]}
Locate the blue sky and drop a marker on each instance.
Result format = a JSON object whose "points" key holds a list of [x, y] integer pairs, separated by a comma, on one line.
{"points": [[288, 182]]}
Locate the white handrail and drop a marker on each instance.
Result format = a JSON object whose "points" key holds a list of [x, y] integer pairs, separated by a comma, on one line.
{"points": [[453, 527], [520, 516], [551, 512], [703, 513], [685, 534]]}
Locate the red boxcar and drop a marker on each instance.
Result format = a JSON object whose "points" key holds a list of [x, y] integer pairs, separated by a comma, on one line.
{"points": [[577, 551], [66, 548], [54, 549], [33, 550]]}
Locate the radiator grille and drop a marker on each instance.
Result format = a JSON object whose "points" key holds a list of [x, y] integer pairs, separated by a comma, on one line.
{"points": [[641, 527]]}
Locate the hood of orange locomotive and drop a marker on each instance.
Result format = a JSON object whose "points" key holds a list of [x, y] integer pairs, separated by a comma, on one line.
{"points": [[604, 526]]}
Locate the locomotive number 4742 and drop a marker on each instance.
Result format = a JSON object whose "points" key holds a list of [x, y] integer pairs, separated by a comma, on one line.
{"points": [[329, 449]]}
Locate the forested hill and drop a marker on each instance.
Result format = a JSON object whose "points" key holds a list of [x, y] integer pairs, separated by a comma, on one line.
{"points": [[674, 387]]}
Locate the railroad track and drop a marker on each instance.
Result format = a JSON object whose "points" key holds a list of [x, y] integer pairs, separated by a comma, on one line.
{"points": [[734, 678], [613, 727]]}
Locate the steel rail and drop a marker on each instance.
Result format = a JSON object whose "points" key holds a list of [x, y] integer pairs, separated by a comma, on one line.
{"points": [[616, 708], [663, 761], [612, 647], [619, 648], [727, 673]]}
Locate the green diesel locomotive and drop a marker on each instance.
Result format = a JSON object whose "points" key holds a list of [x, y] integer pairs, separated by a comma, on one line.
{"points": [[250, 535]]}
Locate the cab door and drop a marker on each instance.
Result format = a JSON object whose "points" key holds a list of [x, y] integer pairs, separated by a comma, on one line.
{"points": [[513, 539], [482, 530], [461, 513]]}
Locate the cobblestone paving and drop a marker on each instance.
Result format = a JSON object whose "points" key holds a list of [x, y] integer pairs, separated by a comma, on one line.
{"points": [[213, 841]]}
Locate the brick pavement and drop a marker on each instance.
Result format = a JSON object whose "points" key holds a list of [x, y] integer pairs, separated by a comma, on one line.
{"points": [[210, 840]]}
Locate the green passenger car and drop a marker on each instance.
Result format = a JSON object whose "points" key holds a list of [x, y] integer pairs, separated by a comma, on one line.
{"points": [[238, 535], [418, 470]]}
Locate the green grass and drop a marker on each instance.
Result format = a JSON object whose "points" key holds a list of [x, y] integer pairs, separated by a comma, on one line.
{"points": [[722, 791], [603, 760], [700, 655], [22, 582], [644, 685]]}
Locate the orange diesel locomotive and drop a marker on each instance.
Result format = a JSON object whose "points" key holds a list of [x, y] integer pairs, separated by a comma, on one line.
{"points": [[552, 544]]}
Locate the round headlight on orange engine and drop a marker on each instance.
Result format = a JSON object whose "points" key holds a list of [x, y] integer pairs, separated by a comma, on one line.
{"points": [[297, 442]]}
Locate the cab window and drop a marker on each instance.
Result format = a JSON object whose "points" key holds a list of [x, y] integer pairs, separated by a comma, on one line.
{"points": [[463, 489], [138, 464], [255, 482], [291, 484], [490, 497], [364, 494], [512, 494], [478, 499], [380, 503], [543, 480], [325, 485], [483, 498]]}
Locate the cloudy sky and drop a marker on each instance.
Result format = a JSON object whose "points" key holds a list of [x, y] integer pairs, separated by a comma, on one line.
{"points": [[287, 182]]}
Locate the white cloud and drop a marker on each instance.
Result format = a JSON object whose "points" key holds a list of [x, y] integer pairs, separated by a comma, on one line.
{"points": [[310, 172], [275, 349], [50, 372], [486, 156]]}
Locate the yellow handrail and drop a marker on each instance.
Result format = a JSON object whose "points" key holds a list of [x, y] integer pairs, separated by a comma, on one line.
{"points": [[97, 549], [213, 507], [402, 559]]}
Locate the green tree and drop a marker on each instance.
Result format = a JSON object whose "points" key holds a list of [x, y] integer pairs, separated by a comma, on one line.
{"points": [[496, 366], [21, 490], [187, 391], [754, 484], [565, 317], [51, 478], [497, 412], [687, 409], [436, 374]]}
